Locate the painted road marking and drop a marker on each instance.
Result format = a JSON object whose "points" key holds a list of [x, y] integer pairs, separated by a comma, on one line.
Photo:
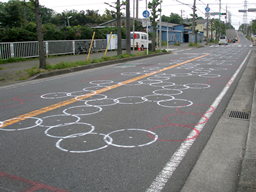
{"points": [[73, 100], [238, 39], [163, 177]]}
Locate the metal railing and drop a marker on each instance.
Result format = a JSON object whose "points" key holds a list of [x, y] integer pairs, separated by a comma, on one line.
{"points": [[30, 48]]}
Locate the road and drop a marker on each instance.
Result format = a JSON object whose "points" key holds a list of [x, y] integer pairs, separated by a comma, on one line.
{"points": [[136, 126]]}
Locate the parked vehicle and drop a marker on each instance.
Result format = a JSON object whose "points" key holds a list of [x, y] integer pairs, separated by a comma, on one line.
{"points": [[231, 35], [140, 40], [223, 40]]}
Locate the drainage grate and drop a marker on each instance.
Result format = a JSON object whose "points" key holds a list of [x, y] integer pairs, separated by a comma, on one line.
{"points": [[239, 115]]}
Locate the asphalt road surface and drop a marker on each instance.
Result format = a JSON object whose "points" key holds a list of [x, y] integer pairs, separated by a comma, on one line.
{"points": [[136, 126]]}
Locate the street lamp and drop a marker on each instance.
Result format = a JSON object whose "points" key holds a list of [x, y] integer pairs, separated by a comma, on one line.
{"points": [[68, 20]]}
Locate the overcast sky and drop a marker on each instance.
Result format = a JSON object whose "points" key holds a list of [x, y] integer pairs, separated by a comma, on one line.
{"points": [[168, 7]]}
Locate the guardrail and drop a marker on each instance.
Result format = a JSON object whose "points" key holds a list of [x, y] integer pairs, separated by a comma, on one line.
{"points": [[61, 47]]}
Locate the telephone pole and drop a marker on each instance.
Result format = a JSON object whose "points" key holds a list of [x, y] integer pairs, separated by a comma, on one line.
{"points": [[207, 34], [181, 16], [128, 29], [137, 9], [193, 23]]}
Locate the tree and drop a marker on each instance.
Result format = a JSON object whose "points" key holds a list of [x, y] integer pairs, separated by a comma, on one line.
{"points": [[10, 14], [174, 18], [153, 6], [39, 31], [118, 13], [254, 27]]}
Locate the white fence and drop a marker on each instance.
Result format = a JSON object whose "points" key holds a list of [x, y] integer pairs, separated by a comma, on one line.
{"points": [[30, 48]]}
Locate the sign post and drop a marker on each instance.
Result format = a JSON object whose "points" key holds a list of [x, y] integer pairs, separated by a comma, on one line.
{"points": [[207, 14], [146, 15]]}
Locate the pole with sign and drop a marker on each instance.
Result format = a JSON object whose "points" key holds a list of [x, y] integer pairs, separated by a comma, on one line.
{"points": [[146, 15], [207, 9]]}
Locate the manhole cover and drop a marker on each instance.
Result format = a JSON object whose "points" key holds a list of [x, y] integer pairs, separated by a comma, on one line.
{"points": [[239, 115]]}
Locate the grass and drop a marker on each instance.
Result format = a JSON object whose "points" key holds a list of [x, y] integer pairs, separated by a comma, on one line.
{"points": [[25, 74], [193, 45], [14, 60], [63, 65], [1, 68]]}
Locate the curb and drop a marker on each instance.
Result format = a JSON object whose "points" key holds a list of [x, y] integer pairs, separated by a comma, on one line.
{"points": [[91, 66]]}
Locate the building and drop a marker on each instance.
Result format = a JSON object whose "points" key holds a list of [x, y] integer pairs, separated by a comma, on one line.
{"points": [[202, 27]]}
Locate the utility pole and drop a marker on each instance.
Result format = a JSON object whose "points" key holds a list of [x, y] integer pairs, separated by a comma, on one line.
{"points": [[181, 17], [128, 29], [193, 23], [207, 28], [219, 16], [133, 27], [226, 14], [160, 34], [137, 9]]}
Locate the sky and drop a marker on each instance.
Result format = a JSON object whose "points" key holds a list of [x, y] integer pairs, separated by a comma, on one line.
{"points": [[168, 7]]}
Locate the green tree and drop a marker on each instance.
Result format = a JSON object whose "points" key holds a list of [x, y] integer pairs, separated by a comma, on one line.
{"points": [[254, 27], [10, 14], [174, 18], [118, 7], [154, 15]]}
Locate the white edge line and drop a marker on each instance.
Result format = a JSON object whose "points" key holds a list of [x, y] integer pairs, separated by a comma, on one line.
{"points": [[163, 177]]}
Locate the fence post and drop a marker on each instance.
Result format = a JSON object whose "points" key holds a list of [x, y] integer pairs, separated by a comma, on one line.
{"points": [[12, 50], [46, 48], [73, 44]]}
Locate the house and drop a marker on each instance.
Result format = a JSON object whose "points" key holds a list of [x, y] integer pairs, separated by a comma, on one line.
{"points": [[202, 27]]}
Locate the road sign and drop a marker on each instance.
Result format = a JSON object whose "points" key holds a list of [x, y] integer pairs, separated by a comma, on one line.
{"points": [[207, 14], [207, 9], [146, 22], [215, 13], [251, 10], [146, 13]]}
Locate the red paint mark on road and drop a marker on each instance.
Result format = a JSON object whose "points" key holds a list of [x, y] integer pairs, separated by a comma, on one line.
{"points": [[10, 103], [34, 185], [174, 140]]}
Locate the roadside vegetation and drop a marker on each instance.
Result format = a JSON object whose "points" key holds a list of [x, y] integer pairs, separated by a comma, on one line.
{"points": [[193, 45], [26, 74]]}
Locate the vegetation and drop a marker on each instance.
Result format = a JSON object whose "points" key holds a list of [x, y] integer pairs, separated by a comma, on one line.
{"points": [[154, 15], [63, 65], [14, 26], [193, 45]]}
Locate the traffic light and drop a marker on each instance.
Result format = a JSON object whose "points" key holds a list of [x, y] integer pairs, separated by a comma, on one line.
{"points": [[222, 13]]}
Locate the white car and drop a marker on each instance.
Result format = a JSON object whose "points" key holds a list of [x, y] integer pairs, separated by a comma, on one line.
{"points": [[223, 40]]}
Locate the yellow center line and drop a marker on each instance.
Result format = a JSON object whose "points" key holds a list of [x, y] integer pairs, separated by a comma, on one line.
{"points": [[238, 39], [73, 100]]}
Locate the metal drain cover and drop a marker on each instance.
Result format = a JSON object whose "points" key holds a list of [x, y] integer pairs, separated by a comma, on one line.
{"points": [[239, 115]]}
